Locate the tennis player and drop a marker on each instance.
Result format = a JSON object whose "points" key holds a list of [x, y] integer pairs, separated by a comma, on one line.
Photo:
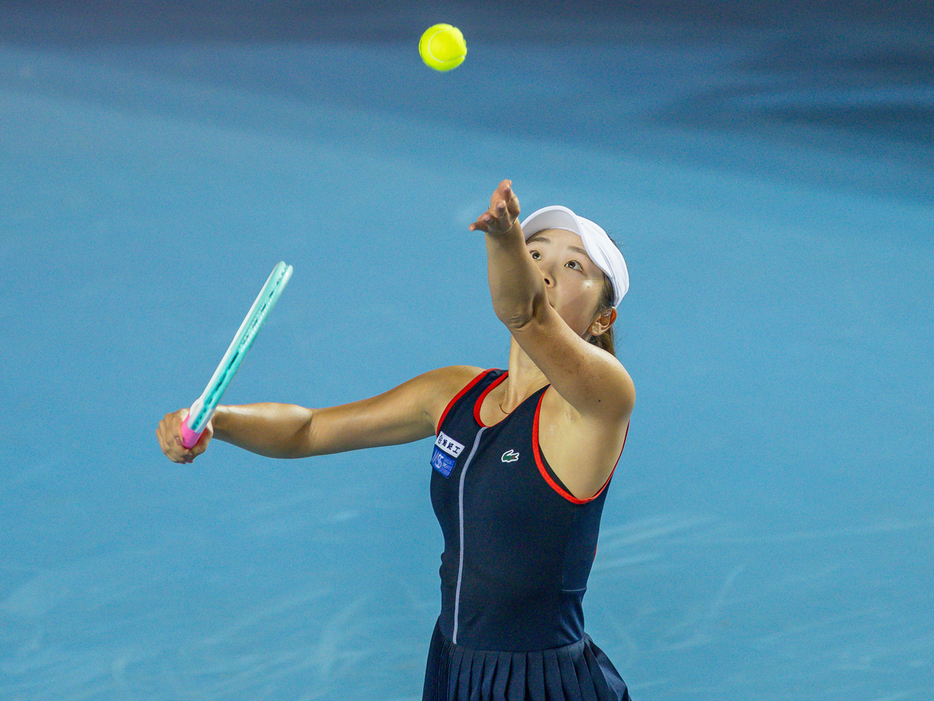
{"points": [[520, 466]]}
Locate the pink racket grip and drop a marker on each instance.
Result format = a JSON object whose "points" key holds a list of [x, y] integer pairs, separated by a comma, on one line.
{"points": [[189, 437]]}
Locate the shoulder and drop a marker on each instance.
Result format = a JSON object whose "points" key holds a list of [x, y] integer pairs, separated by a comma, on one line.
{"points": [[622, 388], [591, 380], [597, 388], [583, 447], [439, 387], [606, 395], [453, 377]]}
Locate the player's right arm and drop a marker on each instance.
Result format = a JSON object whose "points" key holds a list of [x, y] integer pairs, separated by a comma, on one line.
{"points": [[404, 414]]}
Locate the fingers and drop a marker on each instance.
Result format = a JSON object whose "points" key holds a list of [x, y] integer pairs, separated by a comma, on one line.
{"points": [[482, 224], [169, 435], [202, 445], [502, 213], [507, 200]]}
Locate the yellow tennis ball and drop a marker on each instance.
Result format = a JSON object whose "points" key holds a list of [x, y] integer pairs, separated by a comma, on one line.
{"points": [[442, 47]]}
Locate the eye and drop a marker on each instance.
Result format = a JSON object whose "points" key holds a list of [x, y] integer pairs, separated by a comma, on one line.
{"points": [[573, 265], [535, 255]]}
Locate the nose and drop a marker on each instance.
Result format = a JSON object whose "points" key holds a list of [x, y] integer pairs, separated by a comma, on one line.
{"points": [[548, 274]]}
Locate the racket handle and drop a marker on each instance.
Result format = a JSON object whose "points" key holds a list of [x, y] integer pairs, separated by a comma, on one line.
{"points": [[189, 437]]}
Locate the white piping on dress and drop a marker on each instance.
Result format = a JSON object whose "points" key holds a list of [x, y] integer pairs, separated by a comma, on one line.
{"points": [[460, 522]]}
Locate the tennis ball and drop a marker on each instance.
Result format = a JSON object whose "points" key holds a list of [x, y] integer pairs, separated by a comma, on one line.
{"points": [[442, 47]]}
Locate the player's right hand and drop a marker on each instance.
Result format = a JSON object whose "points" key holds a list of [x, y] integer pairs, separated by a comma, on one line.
{"points": [[169, 434]]}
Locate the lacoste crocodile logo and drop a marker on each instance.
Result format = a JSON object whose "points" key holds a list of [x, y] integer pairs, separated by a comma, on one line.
{"points": [[510, 456]]}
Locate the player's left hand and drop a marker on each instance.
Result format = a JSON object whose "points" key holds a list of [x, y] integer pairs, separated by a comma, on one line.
{"points": [[503, 213]]}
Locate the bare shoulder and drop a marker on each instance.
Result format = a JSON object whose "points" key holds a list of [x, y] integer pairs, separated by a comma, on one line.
{"points": [[602, 398], [591, 380], [597, 388], [623, 389], [440, 386], [451, 378], [583, 447], [403, 414], [457, 373], [431, 392]]}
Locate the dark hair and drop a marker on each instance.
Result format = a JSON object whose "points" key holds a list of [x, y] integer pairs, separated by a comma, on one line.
{"points": [[605, 339]]}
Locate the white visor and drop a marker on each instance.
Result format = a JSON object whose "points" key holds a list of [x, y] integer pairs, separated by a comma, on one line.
{"points": [[602, 251]]}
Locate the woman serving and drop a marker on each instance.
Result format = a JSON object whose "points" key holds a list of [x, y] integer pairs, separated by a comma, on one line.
{"points": [[521, 461]]}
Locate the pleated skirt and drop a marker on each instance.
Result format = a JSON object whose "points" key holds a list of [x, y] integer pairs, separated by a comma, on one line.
{"points": [[578, 672]]}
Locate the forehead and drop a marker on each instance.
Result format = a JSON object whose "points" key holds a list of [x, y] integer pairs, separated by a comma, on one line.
{"points": [[559, 238]]}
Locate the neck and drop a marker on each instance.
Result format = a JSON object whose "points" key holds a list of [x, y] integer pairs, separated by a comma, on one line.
{"points": [[523, 381]]}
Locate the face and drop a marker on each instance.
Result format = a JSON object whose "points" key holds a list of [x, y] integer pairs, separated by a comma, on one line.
{"points": [[574, 283]]}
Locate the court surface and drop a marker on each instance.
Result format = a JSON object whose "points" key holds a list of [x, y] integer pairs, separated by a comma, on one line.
{"points": [[768, 533]]}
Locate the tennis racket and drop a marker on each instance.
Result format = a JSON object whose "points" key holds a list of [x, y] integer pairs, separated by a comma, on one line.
{"points": [[203, 408]]}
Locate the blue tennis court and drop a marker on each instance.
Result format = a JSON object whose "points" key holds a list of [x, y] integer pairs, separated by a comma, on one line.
{"points": [[769, 531]]}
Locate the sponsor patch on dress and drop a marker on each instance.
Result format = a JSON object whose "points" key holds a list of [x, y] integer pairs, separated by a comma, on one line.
{"points": [[445, 454], [442, 462]]}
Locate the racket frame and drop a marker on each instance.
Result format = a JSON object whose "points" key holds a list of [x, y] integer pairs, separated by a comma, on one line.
{"points": [[203, 408]]}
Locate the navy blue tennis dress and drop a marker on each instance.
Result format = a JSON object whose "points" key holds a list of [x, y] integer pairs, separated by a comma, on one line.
{"points": [[518, 548]]}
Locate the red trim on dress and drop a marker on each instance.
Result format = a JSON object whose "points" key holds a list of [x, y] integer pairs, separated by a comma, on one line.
{"points": [[479, 403], [460, 394], [537, 451]]}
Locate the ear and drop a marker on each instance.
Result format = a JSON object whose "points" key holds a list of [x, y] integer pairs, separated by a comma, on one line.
{"points": [[603, 322]]}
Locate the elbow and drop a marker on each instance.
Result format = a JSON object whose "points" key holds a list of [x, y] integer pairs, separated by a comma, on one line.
{"points": [[518, 317], [516, 321], [301, 443]]}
